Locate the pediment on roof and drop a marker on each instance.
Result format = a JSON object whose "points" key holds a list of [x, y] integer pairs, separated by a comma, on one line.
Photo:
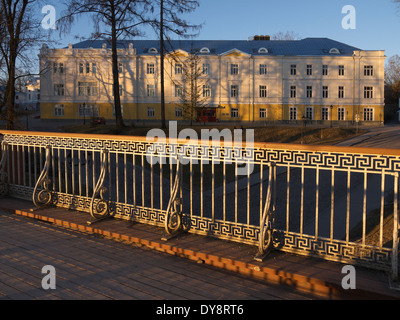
{"points": [[178, 53], [235, 53]]}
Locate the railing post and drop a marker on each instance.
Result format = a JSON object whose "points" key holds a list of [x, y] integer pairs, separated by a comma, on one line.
{"points": [[395, 251], [173, 215], [100, 209], [3, 173], [266, 224], [44, 196]]}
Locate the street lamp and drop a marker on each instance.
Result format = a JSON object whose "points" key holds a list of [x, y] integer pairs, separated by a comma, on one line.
{"points": [[331, 115]]}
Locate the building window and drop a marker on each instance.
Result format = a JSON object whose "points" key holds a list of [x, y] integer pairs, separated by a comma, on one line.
{"points": [[325, 92], [341, 70], [263, 69], [206, 68], [88, 110], [178, 68], [150, 112], [263, 113], [340, 92], [120, 90], [87, 88], [150, 68], [178, 112], [293, 113], [87, 67], [324, 113], [58, 67], [324, 69], [234, 113], [206, 90], [263, 92], [234, 90], [341, 114], [309, 91], [120, 67], [293, 70], [368, 92], [293, 91], [58, 89], [178, 90], [59, 110], [151, 91], [81, 68], [309, 69], [368, 114], [234, 68], [94, 68], [309, 113], [368, 71]]}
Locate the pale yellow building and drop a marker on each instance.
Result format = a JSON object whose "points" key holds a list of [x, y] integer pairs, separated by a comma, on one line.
{"points": [[253, 80]]}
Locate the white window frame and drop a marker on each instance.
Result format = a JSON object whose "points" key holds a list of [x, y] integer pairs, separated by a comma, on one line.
{"points": [[234, 113], [59, 89], [263, 91], [206, 69], [206, 91], [178, 90], [293, 91], [368, 114], [368, 92], [341, 113], [340, 92], [58, 110], [150, 68], [292, 113], [88, 110], [324, 69], [151, 112], [309, 92], [234, 69], [325, 113], [178, 68], [368, 70], [151, 90], [309, 69], [178, 112], [87, 89], [293, 69], [263, 113], [309, 114], [341, 70], [325, 92], [263, 69], [234, 91]]}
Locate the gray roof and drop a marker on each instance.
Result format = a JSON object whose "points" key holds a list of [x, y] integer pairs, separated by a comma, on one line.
{"points": [[304, 47]]}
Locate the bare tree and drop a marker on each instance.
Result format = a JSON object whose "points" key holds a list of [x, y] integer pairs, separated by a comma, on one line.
{"points": [[167, 24], [19, 32], [113, 20], [288, 35], [193, 90]]}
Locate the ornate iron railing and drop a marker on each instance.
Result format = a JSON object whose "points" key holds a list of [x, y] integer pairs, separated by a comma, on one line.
{"points": [[337, 203]]}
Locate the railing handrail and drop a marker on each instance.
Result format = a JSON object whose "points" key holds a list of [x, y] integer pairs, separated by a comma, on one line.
{"points": [[261, 145]]}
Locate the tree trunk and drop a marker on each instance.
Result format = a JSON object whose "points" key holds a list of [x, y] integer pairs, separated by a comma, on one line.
{"points": [[119, 122], [163, 125]]}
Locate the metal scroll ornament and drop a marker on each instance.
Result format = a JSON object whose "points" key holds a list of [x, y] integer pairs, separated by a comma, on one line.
{"points": [[42, 195], [266, 225], [99, 208], [3, 173], [173, 217]]}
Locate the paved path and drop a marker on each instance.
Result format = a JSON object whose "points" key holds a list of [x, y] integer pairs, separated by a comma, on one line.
{"points": [[90, 267], [387, 136]]}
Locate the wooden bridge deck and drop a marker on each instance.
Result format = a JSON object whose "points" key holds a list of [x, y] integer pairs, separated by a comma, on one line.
{"points": [[307, 274]]}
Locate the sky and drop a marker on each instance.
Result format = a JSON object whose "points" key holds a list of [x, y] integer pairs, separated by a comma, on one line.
{"points": [[377, 22]]}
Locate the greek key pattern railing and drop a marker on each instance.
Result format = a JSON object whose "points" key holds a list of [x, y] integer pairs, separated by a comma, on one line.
{"points": [[339, 204]]}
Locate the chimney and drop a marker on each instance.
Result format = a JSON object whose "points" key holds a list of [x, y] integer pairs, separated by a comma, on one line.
{"points": [[261, 38]]}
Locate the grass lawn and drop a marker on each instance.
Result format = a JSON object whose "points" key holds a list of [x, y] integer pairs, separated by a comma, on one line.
{"points": [[278, 134]]}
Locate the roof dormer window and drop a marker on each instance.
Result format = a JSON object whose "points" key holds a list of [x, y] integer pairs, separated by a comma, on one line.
{"points": [[263, 50], [153, 50], [204, 50], [334, 51]]}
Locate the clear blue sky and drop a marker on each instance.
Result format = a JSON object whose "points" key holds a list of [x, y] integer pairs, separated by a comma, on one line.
{"points": [[377, 21]]}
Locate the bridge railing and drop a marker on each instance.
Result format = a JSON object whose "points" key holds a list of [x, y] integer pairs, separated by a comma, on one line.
{"points": [[337, 203]]}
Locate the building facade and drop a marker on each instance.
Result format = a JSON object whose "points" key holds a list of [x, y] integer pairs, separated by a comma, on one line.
{"points": [[255, 80]]}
